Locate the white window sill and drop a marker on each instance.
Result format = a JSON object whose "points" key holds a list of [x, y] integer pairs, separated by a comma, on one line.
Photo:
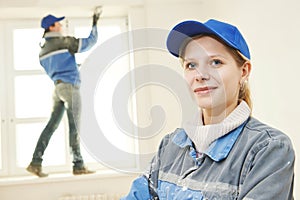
{"points": [[60, 177]]}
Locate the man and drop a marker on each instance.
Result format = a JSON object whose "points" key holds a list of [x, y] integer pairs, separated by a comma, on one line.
{"points": [[57, 56]]}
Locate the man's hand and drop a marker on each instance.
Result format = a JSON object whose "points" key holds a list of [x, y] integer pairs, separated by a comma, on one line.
{"points": [[96, 15]]}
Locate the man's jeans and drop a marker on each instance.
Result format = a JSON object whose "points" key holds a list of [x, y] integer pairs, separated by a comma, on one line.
{"points": [[65, 97]]}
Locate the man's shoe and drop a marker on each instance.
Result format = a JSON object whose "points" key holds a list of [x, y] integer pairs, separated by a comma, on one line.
{"points": [[36, 170], [81, 171]]}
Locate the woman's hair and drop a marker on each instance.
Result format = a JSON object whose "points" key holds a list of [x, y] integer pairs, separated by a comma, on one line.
{"points": [[244, 93]]}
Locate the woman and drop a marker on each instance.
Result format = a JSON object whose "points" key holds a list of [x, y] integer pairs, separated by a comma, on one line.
{"points": [[224, 153]]}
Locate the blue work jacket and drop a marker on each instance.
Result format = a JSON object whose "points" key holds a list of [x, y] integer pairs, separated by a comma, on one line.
{"points": [[253, 161], [57, 55]]}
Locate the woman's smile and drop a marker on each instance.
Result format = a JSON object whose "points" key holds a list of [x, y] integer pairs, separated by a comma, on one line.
{"points": [[204, 90]]}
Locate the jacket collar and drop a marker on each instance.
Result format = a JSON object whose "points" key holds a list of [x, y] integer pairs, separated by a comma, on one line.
{"points": [[219, 149], [52, 34]]}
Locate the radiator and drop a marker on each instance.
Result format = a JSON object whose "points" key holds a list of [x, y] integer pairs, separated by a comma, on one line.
{"points": [[92, 197]]}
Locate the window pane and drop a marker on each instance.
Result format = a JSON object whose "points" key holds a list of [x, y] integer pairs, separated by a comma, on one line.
{"points": [[87, 157], [26, 48], [104, 32], [33, 96], [104, 92], [103, 99], [27, 136]]}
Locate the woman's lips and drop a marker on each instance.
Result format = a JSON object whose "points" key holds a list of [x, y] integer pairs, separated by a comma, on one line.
{"points": [[204, 90]]}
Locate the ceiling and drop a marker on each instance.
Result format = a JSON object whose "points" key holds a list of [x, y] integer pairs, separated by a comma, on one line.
{"points": [[29, 9], [16, 9]]}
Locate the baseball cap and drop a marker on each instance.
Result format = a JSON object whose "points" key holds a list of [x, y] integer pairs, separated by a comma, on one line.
{"points": [[49, 20], [226, 32]]}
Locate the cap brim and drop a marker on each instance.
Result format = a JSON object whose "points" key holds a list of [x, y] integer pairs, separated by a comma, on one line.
{"points": [[60, 18]]}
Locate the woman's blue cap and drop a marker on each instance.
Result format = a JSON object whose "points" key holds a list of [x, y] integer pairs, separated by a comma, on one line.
{"points": [[226, 32], [50, 20]]}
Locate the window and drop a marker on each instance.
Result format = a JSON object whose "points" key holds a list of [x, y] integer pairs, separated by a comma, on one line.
{"points": [[28, 93]]}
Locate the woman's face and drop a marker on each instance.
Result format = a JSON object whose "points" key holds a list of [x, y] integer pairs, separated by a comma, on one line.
{"points": [[212, 74]]}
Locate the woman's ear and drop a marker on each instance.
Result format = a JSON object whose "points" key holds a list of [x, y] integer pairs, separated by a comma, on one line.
{"points": [[246, 69]]}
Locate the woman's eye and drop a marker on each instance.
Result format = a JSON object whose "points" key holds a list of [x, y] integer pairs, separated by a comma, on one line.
{"points": [[216, 63], [190, 65]]}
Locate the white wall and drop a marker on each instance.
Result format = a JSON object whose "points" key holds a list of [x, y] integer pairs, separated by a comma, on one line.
{"points": [[272, 30]]}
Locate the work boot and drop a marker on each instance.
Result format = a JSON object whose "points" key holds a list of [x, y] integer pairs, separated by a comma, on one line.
{"points": [[81, 171], [36, 170]]}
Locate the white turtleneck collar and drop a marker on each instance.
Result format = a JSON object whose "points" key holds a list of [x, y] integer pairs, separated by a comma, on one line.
{"points": [[203, 135]]}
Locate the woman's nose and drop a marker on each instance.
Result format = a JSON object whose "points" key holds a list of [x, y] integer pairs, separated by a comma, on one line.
{"points": [[201, 75]]}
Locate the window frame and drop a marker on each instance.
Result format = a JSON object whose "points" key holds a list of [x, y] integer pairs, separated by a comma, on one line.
{"points": [[8, 119]]}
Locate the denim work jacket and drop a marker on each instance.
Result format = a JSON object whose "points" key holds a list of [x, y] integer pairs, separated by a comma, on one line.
{"points": [[254, 161], [57, 55]]}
